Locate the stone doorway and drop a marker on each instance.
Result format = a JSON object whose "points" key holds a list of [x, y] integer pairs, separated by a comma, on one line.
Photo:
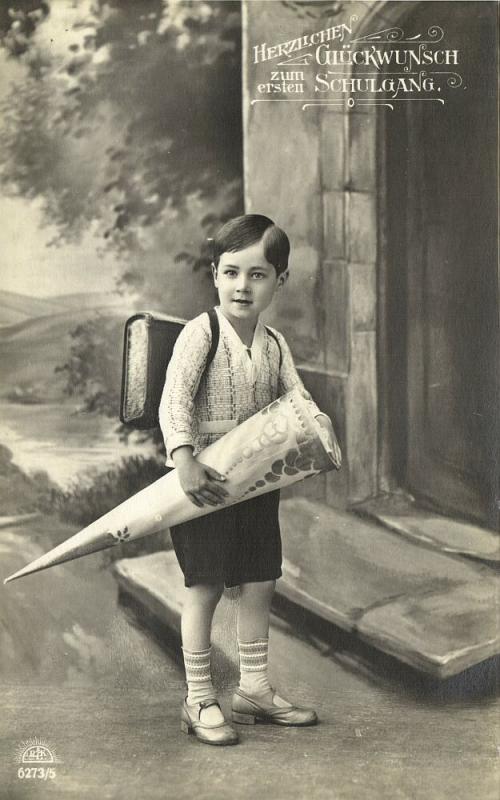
{"points": [[438, 319]]}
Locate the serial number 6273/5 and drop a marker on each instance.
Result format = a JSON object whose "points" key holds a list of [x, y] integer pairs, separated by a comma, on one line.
{"points": [[42, 773]]}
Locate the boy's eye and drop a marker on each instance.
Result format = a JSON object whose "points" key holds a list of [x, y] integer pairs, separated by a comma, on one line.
{"points": [[231, 273]]}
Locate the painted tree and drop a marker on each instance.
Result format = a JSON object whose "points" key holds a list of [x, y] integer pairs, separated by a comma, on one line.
{"points": [[127, 122]]}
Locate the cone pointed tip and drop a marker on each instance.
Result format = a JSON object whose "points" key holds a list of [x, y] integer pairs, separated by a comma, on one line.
{"points": [[16, 575]]}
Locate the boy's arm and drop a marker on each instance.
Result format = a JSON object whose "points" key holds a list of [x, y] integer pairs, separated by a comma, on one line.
{"points": [[290, 379], [184, 372]]}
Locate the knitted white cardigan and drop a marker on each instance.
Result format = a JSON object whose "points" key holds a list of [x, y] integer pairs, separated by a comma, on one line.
{"points": [[200, 404]]}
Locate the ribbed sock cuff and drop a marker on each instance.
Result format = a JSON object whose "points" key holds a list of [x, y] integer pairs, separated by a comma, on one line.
{"points": [[197, 663], [253, 655], [198, 675], [253, 666]]}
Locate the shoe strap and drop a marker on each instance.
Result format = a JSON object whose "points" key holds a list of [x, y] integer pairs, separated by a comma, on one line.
{"points": [[207, 704]]}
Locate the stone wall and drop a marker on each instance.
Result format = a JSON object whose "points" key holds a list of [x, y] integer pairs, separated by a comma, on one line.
{"points": [[314, 171]]}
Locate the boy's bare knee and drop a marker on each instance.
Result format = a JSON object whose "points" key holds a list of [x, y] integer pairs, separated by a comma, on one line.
{"points": [[258, 588], [205, 593]]}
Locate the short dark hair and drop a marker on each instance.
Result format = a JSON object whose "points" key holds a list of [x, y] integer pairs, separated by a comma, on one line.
{"points": [[241, 232]]}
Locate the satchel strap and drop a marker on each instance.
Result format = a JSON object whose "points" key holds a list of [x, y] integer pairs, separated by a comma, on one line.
{"points": [[273, 336], [215, 331]]}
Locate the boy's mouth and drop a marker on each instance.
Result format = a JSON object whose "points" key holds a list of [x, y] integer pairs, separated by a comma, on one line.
{"points": [[243, 302]]}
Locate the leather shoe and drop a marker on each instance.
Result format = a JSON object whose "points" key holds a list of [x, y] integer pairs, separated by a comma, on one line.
{"points": [[248, 710], [220, 734]]}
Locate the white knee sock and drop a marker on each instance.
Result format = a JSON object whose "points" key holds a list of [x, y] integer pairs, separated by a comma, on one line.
{"points": [[253, 666], [253, 669], [198, 675]]}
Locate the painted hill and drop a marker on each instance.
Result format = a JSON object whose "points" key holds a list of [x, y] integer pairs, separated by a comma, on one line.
{"points": [[31, 350], [89, 299], [19, 307], [16, 308]]}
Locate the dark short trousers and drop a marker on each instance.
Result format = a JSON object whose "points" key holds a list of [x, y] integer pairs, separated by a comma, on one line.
{"points": [[233, 545]]}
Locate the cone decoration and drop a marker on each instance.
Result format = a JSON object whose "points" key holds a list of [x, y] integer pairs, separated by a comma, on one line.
{"points": [[280, 445]]}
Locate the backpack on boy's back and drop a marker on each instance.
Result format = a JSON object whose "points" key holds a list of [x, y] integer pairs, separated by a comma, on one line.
{"points": [[147, 349]]}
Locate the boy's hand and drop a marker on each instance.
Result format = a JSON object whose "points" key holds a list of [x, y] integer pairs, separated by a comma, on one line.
{"points": [[199, 481], [333, 446]]}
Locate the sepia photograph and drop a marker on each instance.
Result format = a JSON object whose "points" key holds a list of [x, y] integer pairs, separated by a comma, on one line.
{"points": [[249, 400]]}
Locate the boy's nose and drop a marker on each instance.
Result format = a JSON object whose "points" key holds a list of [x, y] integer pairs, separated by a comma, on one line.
{"points": [[242, 285]]}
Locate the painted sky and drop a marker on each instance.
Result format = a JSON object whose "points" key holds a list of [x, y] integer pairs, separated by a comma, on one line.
{"points": [[27, 265]]}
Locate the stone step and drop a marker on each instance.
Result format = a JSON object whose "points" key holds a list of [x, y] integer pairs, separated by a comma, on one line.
{"points": [[401, 514], [436, 611], [156, 584]]}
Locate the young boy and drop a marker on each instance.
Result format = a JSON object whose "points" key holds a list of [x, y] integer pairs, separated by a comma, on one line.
{"points": [[239, 545]]}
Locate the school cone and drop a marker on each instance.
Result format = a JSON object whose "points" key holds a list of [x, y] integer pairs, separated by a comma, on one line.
{"points": [[280, 445]]}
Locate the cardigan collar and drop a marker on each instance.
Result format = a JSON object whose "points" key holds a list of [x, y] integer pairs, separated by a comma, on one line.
{"points": [[249, 357]]}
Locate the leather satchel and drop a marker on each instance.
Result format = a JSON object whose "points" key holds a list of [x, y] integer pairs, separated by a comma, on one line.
{"points": [[149, 340]]}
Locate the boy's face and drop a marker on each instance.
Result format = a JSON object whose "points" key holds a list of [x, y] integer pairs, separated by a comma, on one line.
{"points": [[246, 282]]}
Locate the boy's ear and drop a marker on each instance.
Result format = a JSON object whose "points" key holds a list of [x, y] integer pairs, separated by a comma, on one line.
{"points": [[282, 279], [214, 272]]}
